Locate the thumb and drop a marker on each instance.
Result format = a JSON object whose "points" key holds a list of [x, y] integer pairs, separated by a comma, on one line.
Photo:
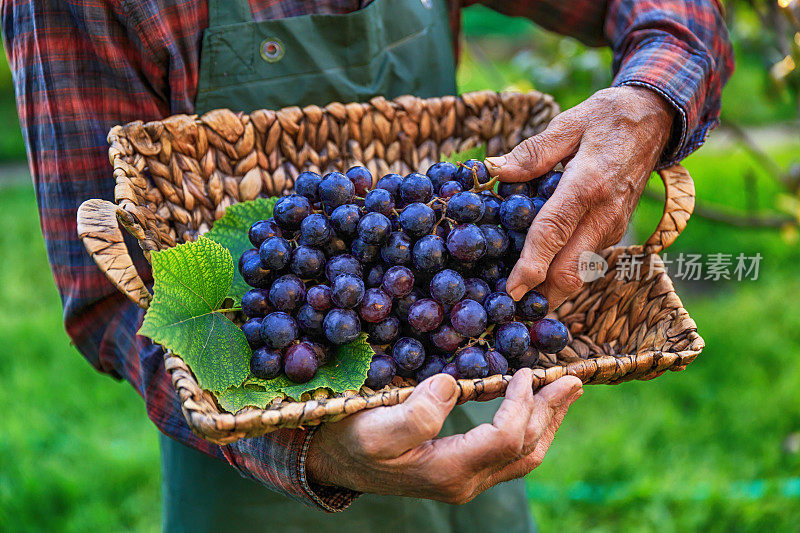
{"points": [[418, 419], [538, 155]]}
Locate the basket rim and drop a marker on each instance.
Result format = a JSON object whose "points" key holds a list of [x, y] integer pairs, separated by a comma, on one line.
{"points": [[222, 427], [210, 421], [335, 109]]}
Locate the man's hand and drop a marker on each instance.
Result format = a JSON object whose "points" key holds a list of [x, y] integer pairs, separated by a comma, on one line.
{"points": [[394, 450], [609, 144]]}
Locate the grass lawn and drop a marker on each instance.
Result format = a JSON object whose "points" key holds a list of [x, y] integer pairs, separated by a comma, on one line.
{"points": [[77, 451], [697, 450]]}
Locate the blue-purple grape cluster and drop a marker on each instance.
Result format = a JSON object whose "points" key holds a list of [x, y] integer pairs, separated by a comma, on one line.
{"points": [[418, 262]]}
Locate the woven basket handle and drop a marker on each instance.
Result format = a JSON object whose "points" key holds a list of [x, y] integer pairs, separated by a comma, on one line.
{"points": [[678, 207], [98, 228]]}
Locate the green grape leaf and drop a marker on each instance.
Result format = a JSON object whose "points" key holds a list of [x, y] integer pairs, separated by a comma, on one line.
{"points": [[191, 281], [347, 371], [231, 232], [235, 399], [477, 152]]}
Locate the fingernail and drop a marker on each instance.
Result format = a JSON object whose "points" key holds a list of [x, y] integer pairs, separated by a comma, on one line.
{"points": [[493, 164], [443, 388], [524, 371], [574, 394], [517, 292]]}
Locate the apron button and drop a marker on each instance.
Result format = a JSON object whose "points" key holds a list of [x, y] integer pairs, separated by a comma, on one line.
{"points": [[427, 3], [272, 50]]}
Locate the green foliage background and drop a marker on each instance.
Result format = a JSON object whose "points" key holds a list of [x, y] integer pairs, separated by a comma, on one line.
{"points": [[708, 449]]}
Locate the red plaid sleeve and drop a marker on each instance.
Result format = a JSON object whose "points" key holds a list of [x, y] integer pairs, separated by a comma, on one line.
{"points": [[79, 68], [680, 49]]}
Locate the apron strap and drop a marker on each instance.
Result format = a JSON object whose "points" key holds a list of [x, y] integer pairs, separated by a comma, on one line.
{"points": [[226, 12]]}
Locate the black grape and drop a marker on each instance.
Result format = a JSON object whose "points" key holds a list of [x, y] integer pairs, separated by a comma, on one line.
{"points": [[532, 306], [361, 178], [384, 331], [513, 339], [429, 254], [471, 363], [336, 189], [341, 326], [517, 213], [266, 363], [263, 230], [252, 332], [466, 242], [416, 188], [548, 184], [425, 314], [417, 219], [391, 183], [307, 184], [468, 318], [379, 201], [398, 281], [300, 363], [374, 228], [256, 274], [290, 211], [500, 308], [307, 262], [497, 363], [375, 305], [476, 289], [255, 303], [344, 220], [275, 253], [316, 230], [381, 371], [432, 366], [278, 330], [408, 354], [347, 291], [287, 293], [448, 287], [465, 207], [342, 264], [549, 335]]}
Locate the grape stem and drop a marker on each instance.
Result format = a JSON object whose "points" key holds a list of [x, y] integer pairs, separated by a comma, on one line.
{"points": [[228, 310], [482, 338], [488, 186], [443, 217]]}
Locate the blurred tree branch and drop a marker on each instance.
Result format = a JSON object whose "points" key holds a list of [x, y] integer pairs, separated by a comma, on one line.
{"points": [[731, 217]]}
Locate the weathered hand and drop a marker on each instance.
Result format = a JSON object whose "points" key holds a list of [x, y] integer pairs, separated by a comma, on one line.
{"points": [[394, 450], [609, 144]]}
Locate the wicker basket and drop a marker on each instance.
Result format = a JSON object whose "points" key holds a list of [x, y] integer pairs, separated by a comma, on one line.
{"points": [[175, 177]]}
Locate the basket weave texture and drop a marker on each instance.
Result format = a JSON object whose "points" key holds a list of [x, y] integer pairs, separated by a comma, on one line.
{"points": [[175, 177]]}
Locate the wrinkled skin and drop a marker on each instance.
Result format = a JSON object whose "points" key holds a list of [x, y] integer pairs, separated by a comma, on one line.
{"points": [[394, 450], [609, 144]]}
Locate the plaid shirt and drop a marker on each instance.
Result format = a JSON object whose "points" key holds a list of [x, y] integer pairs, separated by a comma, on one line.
{"points": [[81, 67]]}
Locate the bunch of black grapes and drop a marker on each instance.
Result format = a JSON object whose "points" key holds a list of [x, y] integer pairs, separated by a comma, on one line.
{"points": [[418, 262]]}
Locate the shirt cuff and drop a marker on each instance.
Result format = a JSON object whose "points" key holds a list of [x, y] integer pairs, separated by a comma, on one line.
{"points": [[680, 75], [331, 499], [278, 460]]}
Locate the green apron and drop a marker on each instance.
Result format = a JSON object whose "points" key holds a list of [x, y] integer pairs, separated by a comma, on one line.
{"points": [[389, 48]]}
